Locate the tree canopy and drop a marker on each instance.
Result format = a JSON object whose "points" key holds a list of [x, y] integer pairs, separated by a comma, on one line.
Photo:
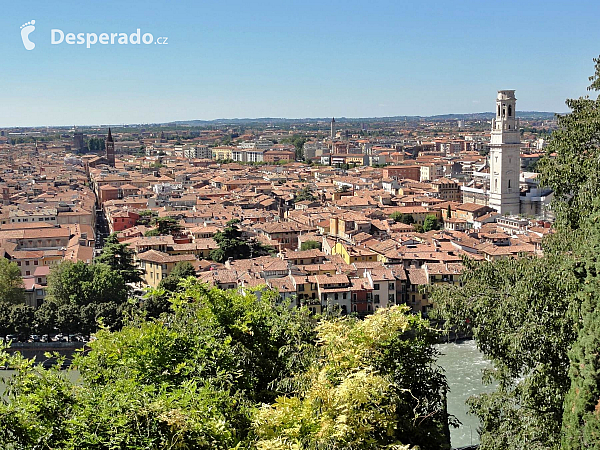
{"points": [[232, 244], [399, 217], [309, 245], [11, 283], [431, 223], [227, 370], [120, 259]]}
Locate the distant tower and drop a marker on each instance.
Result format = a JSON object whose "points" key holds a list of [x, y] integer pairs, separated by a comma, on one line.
{"points": [[505, 158], [110, 150], [78, 143], [332, 128]]}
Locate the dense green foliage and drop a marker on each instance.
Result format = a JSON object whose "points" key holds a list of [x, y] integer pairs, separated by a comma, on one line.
{"points": [[95, 144], [304, 194], [79, 295], [218, 372], [373, 385], [232, 244], [15, 316], [164, 226], [120, 259], [309, 245], [157, 301], [538, 318], [430, 223], [146, 217], [399, 217], [298, 142], [11, 283]]}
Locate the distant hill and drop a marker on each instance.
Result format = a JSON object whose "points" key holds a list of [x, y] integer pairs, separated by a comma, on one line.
{"points": [[541, 115]]}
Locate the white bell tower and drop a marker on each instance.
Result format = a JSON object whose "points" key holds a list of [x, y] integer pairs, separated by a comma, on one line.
{"points": [[505, 156]]}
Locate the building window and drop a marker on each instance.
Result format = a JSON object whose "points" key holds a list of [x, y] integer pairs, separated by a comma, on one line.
{"points": [[335, 296], [376, 287], [391, 286], [376, 298]]}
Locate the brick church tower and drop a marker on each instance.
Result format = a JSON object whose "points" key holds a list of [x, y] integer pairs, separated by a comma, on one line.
{"points": [[110, 150]]}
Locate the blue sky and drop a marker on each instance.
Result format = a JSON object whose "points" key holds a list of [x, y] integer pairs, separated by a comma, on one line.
{"points": [[290, 58]]}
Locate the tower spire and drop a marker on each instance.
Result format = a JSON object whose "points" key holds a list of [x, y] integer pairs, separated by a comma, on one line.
{"points": [[110, 149]]}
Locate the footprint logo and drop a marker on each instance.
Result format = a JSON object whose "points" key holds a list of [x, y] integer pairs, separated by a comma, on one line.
{"points": [[26, 30]]}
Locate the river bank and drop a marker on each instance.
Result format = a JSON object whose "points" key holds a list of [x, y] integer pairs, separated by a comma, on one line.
{"points": [[38, 351]]}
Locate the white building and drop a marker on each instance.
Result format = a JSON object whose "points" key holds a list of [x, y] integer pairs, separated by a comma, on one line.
{"points": [[505, 160], [196, 152]]}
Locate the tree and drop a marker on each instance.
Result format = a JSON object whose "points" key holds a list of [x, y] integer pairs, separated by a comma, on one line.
{"points": [[309, 245], [570, 165], [11, 283], [80, 284], [298, 142], [5, 319], [373, 385], [399, 217], [120, 259], [22, 320], [180, 271], [84, 293], [164, 226], [190, 384], [581, 420], [305, 194], [46, 317], [233, 245], [526, 332], [430, 223], [146, 217]]}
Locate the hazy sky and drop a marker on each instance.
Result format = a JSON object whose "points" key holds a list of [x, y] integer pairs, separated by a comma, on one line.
{"points": [[288, 58]]}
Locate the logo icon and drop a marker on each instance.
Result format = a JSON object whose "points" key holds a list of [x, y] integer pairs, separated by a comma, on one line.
{"points": [[26, 30]]}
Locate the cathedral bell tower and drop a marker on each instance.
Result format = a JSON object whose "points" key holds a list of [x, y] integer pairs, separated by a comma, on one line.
{"points": [[505, 157]]}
